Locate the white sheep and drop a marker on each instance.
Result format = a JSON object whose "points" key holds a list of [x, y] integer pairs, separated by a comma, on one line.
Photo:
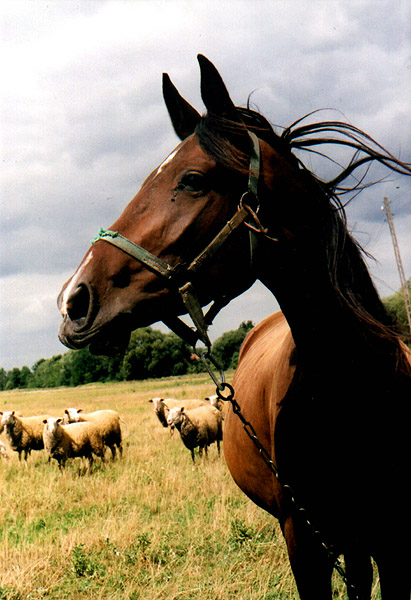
{"points": [[16, 412], [199, 427], [162, 407], [216, 401], [70, 441], [108, 422], [24, 434], [3, 451]]}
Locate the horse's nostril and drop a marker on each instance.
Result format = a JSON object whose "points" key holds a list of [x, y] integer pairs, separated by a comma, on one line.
{"points": [[78, 303]]}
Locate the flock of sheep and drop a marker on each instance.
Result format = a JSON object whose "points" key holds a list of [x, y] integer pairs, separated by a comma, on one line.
{"points": [[76, 434], [80, 434]]}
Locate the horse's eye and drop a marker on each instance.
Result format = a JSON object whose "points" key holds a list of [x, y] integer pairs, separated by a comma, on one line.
{"points": [[192, 182]]}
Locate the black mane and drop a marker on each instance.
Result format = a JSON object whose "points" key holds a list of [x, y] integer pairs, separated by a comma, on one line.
{"points": [[228, 142]]}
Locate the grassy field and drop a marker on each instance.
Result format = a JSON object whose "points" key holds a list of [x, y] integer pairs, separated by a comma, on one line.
{"points": [[150, 526]]}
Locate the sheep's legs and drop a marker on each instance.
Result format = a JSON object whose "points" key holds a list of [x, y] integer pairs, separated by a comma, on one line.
{"points": [[89, 463]]}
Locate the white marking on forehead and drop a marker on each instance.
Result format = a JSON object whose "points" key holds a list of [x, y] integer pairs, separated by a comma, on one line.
{"points": [[168, 159], [73, 284]]}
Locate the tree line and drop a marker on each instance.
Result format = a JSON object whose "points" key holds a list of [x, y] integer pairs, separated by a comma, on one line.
{"points": [[150, 354]]}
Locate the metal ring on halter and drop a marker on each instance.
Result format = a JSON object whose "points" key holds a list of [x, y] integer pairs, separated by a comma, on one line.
{"points": [[221, 389], [258, 227], [250, 195]]}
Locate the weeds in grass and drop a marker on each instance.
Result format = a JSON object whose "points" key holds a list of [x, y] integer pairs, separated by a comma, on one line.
{"points": [[84, 566]]}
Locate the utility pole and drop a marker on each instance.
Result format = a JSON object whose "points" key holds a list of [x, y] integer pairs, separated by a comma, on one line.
{"points": [[403, 281]]}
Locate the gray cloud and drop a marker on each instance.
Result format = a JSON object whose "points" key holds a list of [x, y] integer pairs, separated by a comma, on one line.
{"points": [[83, 123]]}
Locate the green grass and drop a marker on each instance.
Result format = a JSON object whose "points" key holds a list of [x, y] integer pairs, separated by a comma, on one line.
{"points": [[148, 527]]}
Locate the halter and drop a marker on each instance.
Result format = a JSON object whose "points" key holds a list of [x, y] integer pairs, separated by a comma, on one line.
{"points": [[183, 276]]}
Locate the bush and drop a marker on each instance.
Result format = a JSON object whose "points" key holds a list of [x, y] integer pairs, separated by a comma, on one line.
{"points": [[226, 349]]}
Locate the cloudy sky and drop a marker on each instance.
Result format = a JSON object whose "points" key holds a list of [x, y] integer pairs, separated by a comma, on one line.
{"points": [[83, 123]]}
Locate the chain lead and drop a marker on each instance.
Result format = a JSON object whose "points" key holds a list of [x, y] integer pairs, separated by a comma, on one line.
{"points": [[250, 431], [208, 358], [222, 386]]}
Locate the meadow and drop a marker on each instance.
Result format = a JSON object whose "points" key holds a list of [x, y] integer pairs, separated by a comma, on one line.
{"points": [[150, 526]]}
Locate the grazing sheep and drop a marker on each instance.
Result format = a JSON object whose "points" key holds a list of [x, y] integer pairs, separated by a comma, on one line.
{"points": [[70, 441], [108, 422], [162, 407], [24, 434], [198, 427]]}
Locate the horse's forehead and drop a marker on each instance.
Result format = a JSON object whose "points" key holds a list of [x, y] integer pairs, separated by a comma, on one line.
{"points": [[187, 152], [168, 160]]}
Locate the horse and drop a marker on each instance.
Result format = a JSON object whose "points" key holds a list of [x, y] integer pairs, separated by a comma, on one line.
{"points": [[325, 383]]}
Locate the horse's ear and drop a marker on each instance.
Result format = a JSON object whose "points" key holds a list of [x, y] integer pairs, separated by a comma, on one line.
{"points": [[183, 116], [214, 93]]}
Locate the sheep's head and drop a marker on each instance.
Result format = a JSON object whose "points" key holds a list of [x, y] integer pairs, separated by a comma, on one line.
{"points": [[52, 424], [72, 415], [213, 400], [158, 404], [8, 417], [175, 416]]}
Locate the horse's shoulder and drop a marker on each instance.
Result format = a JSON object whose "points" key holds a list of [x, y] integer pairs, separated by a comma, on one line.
{"points": [[266, 359], [266, 337]]}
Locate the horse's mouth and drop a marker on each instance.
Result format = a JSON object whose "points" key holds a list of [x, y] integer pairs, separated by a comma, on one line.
{"points": [[107, 340]]}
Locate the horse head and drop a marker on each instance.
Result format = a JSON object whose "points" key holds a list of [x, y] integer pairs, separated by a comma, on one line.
{"points": [[205, 223], [182, 206]]}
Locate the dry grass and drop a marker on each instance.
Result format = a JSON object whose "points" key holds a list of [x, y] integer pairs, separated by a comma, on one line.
{"points": [[148, 527]]}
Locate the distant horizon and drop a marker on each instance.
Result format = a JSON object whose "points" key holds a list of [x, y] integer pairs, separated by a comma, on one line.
{"points": [[158, 326]]}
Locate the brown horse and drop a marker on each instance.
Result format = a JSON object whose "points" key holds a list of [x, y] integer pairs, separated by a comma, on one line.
{"points": [[326, 383]]}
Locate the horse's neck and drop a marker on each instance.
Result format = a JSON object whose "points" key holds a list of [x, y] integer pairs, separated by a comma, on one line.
{"points": [[329, 337]]}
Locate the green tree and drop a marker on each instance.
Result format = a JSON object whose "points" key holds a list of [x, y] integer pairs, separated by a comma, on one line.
{"points": [[81, 366], [111, 366], [152, 353], [3, 379], [26, 377], [48, 373], [227, 347], [395, 307], [13, 379]]}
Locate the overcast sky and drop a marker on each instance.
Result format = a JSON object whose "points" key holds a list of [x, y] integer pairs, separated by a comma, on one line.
{"points": [[83, 123]]}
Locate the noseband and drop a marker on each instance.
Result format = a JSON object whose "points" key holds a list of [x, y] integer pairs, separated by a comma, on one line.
{"points": [[181, 276]]}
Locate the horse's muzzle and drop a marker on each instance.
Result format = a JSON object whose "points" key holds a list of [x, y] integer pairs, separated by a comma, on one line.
{"points": [[78, 310], [82, 326]]}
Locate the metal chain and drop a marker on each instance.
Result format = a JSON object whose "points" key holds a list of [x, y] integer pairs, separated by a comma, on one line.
{"points": [[221, 386]]}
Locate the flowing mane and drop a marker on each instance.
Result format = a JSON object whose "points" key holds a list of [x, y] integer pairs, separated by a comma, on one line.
{"points": [[227, 142]]}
